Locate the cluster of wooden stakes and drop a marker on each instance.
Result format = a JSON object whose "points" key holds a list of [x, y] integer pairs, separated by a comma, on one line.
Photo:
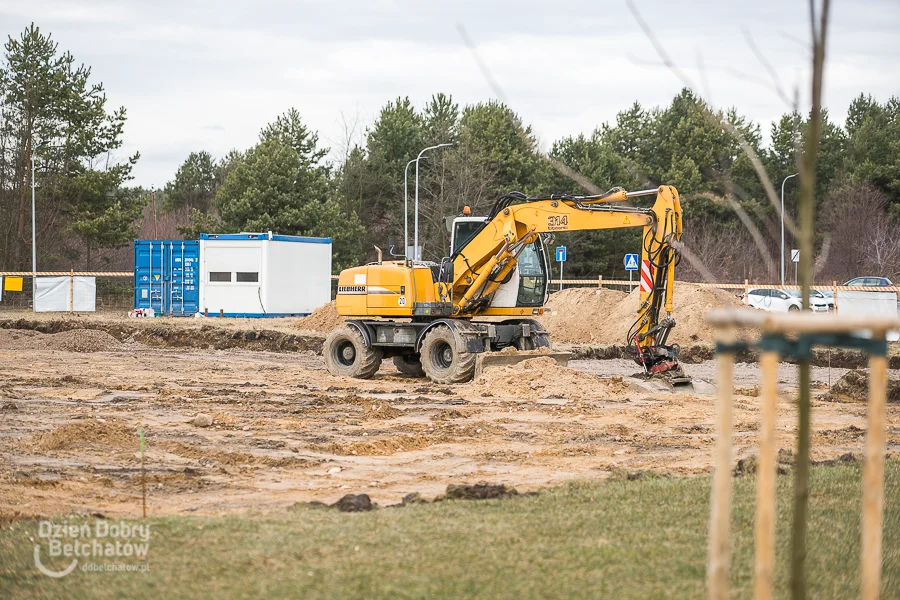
{"points": [[781, 336]]}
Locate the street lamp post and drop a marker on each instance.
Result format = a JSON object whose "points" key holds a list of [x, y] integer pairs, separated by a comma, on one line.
{"points": [[416, 225], [34, 219], [782, 225], [406, 210]]}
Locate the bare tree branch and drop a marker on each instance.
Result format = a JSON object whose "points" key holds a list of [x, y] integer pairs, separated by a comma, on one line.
{"points": [[776, 82], [709, 114]]}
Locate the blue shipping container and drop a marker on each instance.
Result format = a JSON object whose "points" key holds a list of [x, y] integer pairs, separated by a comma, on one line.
{"points": [[167, 276]]}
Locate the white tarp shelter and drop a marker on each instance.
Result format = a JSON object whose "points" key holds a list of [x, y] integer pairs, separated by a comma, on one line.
{"points": [[868, 304], [263, 275], [65, 294]]}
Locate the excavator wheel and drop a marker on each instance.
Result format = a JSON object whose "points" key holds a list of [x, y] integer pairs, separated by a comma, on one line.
{"points": [[409, 365], [540, 340], [346, 354], [442, 362]]}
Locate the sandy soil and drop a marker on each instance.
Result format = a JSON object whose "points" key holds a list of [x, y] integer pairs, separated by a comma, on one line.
{"points": [[283, 430], [605, 316]]}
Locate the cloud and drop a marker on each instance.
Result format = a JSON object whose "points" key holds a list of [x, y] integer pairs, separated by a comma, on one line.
{"points": [[206, 75]]}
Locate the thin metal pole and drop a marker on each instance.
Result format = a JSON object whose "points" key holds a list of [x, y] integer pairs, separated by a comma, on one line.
{"points": [[782, 225], [406, 209], [416, 225], [34, 224], [153, 202], [33, 229]]}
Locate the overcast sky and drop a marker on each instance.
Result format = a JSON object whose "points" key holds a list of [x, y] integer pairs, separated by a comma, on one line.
{"points": [[208, 75]]}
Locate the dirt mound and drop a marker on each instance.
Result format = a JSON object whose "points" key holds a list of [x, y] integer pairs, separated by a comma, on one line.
{"points": [[323, 319], [540, 377], [88, 433], [573, 315], [601, 316], [854, 387], [75, 340], [84, 340]]}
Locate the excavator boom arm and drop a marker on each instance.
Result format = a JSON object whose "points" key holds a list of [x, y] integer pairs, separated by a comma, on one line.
{"points": [[482, 265]]}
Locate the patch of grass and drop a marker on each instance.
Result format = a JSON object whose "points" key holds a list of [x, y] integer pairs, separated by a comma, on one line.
{"points": [[643, 538]]}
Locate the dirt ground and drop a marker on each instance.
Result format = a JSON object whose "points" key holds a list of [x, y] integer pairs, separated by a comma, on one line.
{"points": [[230, 430]]}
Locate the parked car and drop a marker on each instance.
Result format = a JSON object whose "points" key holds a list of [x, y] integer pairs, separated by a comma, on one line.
{"points": [[818, 301], [870, 282], [784, 300], [863, 281]]}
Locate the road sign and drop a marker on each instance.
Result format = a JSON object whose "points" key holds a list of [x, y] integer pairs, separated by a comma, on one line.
{"points": [[795, 255], [631, 262], [561, 253]]}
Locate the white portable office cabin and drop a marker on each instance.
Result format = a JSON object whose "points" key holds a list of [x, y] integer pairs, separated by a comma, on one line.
{"points": [[263, 275]]}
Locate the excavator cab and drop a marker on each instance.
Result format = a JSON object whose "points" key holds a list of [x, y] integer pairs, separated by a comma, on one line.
{"points": [[526, 285]]}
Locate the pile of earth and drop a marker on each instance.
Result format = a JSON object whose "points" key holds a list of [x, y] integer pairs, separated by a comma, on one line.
{"points": [[542, 377], [92, 432], [603, 316], [596, 315], [74, 340], [854, 387], [322, 320]]}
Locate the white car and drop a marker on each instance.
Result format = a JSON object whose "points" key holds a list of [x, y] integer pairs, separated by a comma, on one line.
{"points": [[784, 300], [818, 301]]}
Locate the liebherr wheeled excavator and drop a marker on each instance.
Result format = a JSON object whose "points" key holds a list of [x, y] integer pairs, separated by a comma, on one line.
{"points": [[425, 315]]}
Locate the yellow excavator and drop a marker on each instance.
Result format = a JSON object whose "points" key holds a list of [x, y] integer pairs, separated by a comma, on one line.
{"points": [[425, 315]]}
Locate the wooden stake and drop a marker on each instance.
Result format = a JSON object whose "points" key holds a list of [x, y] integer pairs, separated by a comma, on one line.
{"points": [[720, 519], [71, 291], [143, 474], [873, 482], [764, 528]]}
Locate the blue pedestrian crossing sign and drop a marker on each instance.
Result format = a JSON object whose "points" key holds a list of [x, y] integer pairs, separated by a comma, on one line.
{"points": [[561, 253], [631, 262]]}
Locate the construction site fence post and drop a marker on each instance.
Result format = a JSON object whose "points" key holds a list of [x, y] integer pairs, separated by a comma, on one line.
{"points": [[71, 291]]}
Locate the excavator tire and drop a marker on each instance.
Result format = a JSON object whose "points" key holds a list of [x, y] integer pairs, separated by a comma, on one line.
{"points": [[346, 354], [442, 362], [409, 365]]}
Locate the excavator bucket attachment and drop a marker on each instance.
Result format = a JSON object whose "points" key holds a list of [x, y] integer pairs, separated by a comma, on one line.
{"points": [[658, 383]]}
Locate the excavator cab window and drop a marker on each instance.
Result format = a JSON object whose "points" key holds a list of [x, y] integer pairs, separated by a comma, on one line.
{"points": [[532, 276], [464, 229]]}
